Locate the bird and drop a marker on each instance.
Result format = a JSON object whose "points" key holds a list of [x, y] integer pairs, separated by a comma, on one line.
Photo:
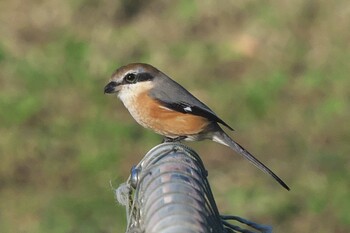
{"points": [[159, 103]]}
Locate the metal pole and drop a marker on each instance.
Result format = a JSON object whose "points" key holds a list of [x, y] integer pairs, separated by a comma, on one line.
{"points": [[168, 192]]}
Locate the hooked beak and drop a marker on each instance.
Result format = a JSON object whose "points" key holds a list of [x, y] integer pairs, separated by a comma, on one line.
{"points": [[111, 87]]}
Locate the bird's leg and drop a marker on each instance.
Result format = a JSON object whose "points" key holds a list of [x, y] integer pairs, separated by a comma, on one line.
{"points": [[177, 139]]}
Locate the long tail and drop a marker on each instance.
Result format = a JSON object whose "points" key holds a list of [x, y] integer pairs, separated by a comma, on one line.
{"points": [[222, 138]]}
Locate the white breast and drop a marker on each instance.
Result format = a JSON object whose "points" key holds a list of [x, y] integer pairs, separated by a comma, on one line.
{"points": [[128, 95]]}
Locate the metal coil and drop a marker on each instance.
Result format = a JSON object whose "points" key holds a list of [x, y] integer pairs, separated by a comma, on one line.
{"points": [[168, 192], [172, 192]]}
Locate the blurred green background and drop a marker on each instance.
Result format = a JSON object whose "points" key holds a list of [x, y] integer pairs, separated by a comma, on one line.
{"points": [[276, 71]]}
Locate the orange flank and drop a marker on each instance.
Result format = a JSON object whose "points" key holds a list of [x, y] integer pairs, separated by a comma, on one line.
{"points": [[166, 121]]}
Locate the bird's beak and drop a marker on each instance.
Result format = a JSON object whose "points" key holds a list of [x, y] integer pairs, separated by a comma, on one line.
{"points": [[111, 87]]}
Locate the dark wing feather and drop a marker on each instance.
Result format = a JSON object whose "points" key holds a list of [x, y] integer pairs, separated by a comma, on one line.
{"points": [[195, 110], [173, 96]]}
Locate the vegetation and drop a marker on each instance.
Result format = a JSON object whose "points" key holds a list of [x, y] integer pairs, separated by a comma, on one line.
{"points": [[277, 72]]}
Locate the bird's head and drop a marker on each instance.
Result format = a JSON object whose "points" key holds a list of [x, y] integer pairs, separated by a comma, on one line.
{"points": [[132, 77]]}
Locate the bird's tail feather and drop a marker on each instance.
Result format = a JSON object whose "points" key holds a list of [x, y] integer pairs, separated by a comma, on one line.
{"points": [[223, 138]]}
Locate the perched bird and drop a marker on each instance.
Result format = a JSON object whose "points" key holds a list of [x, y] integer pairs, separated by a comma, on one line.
{"points": [[159, 103]]}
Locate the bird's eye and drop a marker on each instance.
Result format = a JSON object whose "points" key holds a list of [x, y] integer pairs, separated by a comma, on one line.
{"points": [[130, 78]]}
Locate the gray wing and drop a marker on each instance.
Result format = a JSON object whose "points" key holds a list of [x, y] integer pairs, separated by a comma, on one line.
{"points": [[173, 96]]}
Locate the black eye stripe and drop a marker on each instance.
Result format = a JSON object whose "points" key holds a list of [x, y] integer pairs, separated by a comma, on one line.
{"points": [[142, 77], [131, 78]]}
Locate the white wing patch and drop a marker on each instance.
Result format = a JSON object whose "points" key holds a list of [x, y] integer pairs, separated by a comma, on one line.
{"points": [[188, 109]]}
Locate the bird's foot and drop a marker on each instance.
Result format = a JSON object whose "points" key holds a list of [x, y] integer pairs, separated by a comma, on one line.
{"points": [[177, 139]]}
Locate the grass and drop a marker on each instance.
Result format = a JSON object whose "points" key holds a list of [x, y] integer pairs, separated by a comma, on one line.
{"points": [[276, 72]]}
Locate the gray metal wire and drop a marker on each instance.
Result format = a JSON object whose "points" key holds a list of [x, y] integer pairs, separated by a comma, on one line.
{"points": [[168, 192]]}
